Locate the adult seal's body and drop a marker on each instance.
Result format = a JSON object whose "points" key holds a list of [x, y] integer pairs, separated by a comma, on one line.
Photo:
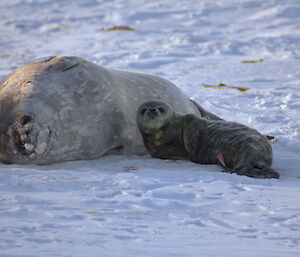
{"points": [[66, 108], [234, 146]]}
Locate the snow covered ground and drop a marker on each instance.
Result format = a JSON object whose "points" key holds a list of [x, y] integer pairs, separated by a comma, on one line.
{"points": [[140, 206]]}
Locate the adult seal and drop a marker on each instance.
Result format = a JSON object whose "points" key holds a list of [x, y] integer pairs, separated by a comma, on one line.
{"points": [[234, 146], [64, 108]]}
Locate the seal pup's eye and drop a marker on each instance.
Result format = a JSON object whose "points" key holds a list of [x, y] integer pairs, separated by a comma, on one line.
{"points": [[143, 111], [161, 110]]}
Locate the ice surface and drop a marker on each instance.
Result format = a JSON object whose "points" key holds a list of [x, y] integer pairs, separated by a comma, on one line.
{"points": [[140, 206]]}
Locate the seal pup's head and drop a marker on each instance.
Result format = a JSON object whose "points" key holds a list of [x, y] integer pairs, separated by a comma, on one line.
{"points": [[154, 115]]}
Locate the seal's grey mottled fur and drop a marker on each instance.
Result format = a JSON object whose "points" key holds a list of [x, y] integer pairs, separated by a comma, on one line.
{"points": [[65, 108], [236, 147]]}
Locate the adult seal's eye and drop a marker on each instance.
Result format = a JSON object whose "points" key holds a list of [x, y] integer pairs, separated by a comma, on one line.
{"points": [[161, 110], [143, 111]]}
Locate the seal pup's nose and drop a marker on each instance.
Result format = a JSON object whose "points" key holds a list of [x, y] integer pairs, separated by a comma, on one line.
{"points": [[152, 113], [152, 110]]}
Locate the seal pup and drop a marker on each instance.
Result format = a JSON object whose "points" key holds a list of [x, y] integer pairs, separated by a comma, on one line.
{"points": [[235, 147], [62, 108]]}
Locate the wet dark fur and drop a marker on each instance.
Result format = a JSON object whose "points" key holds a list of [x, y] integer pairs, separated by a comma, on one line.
{"points": [[167, 143], [245, 151]]}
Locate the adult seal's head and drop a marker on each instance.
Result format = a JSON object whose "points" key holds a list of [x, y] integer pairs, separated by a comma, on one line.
{"points": [[154, 115]]}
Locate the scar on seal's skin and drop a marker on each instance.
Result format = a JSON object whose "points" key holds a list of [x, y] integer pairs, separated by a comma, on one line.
{"points": [[21, 132], [28, 138]]}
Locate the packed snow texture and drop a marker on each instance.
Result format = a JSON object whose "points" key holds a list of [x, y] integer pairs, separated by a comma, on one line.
{"points": [[141, 206]]}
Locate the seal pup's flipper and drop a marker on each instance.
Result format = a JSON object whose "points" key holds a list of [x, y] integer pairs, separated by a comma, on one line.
{"points": [[266, 172], [254, 170]]}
